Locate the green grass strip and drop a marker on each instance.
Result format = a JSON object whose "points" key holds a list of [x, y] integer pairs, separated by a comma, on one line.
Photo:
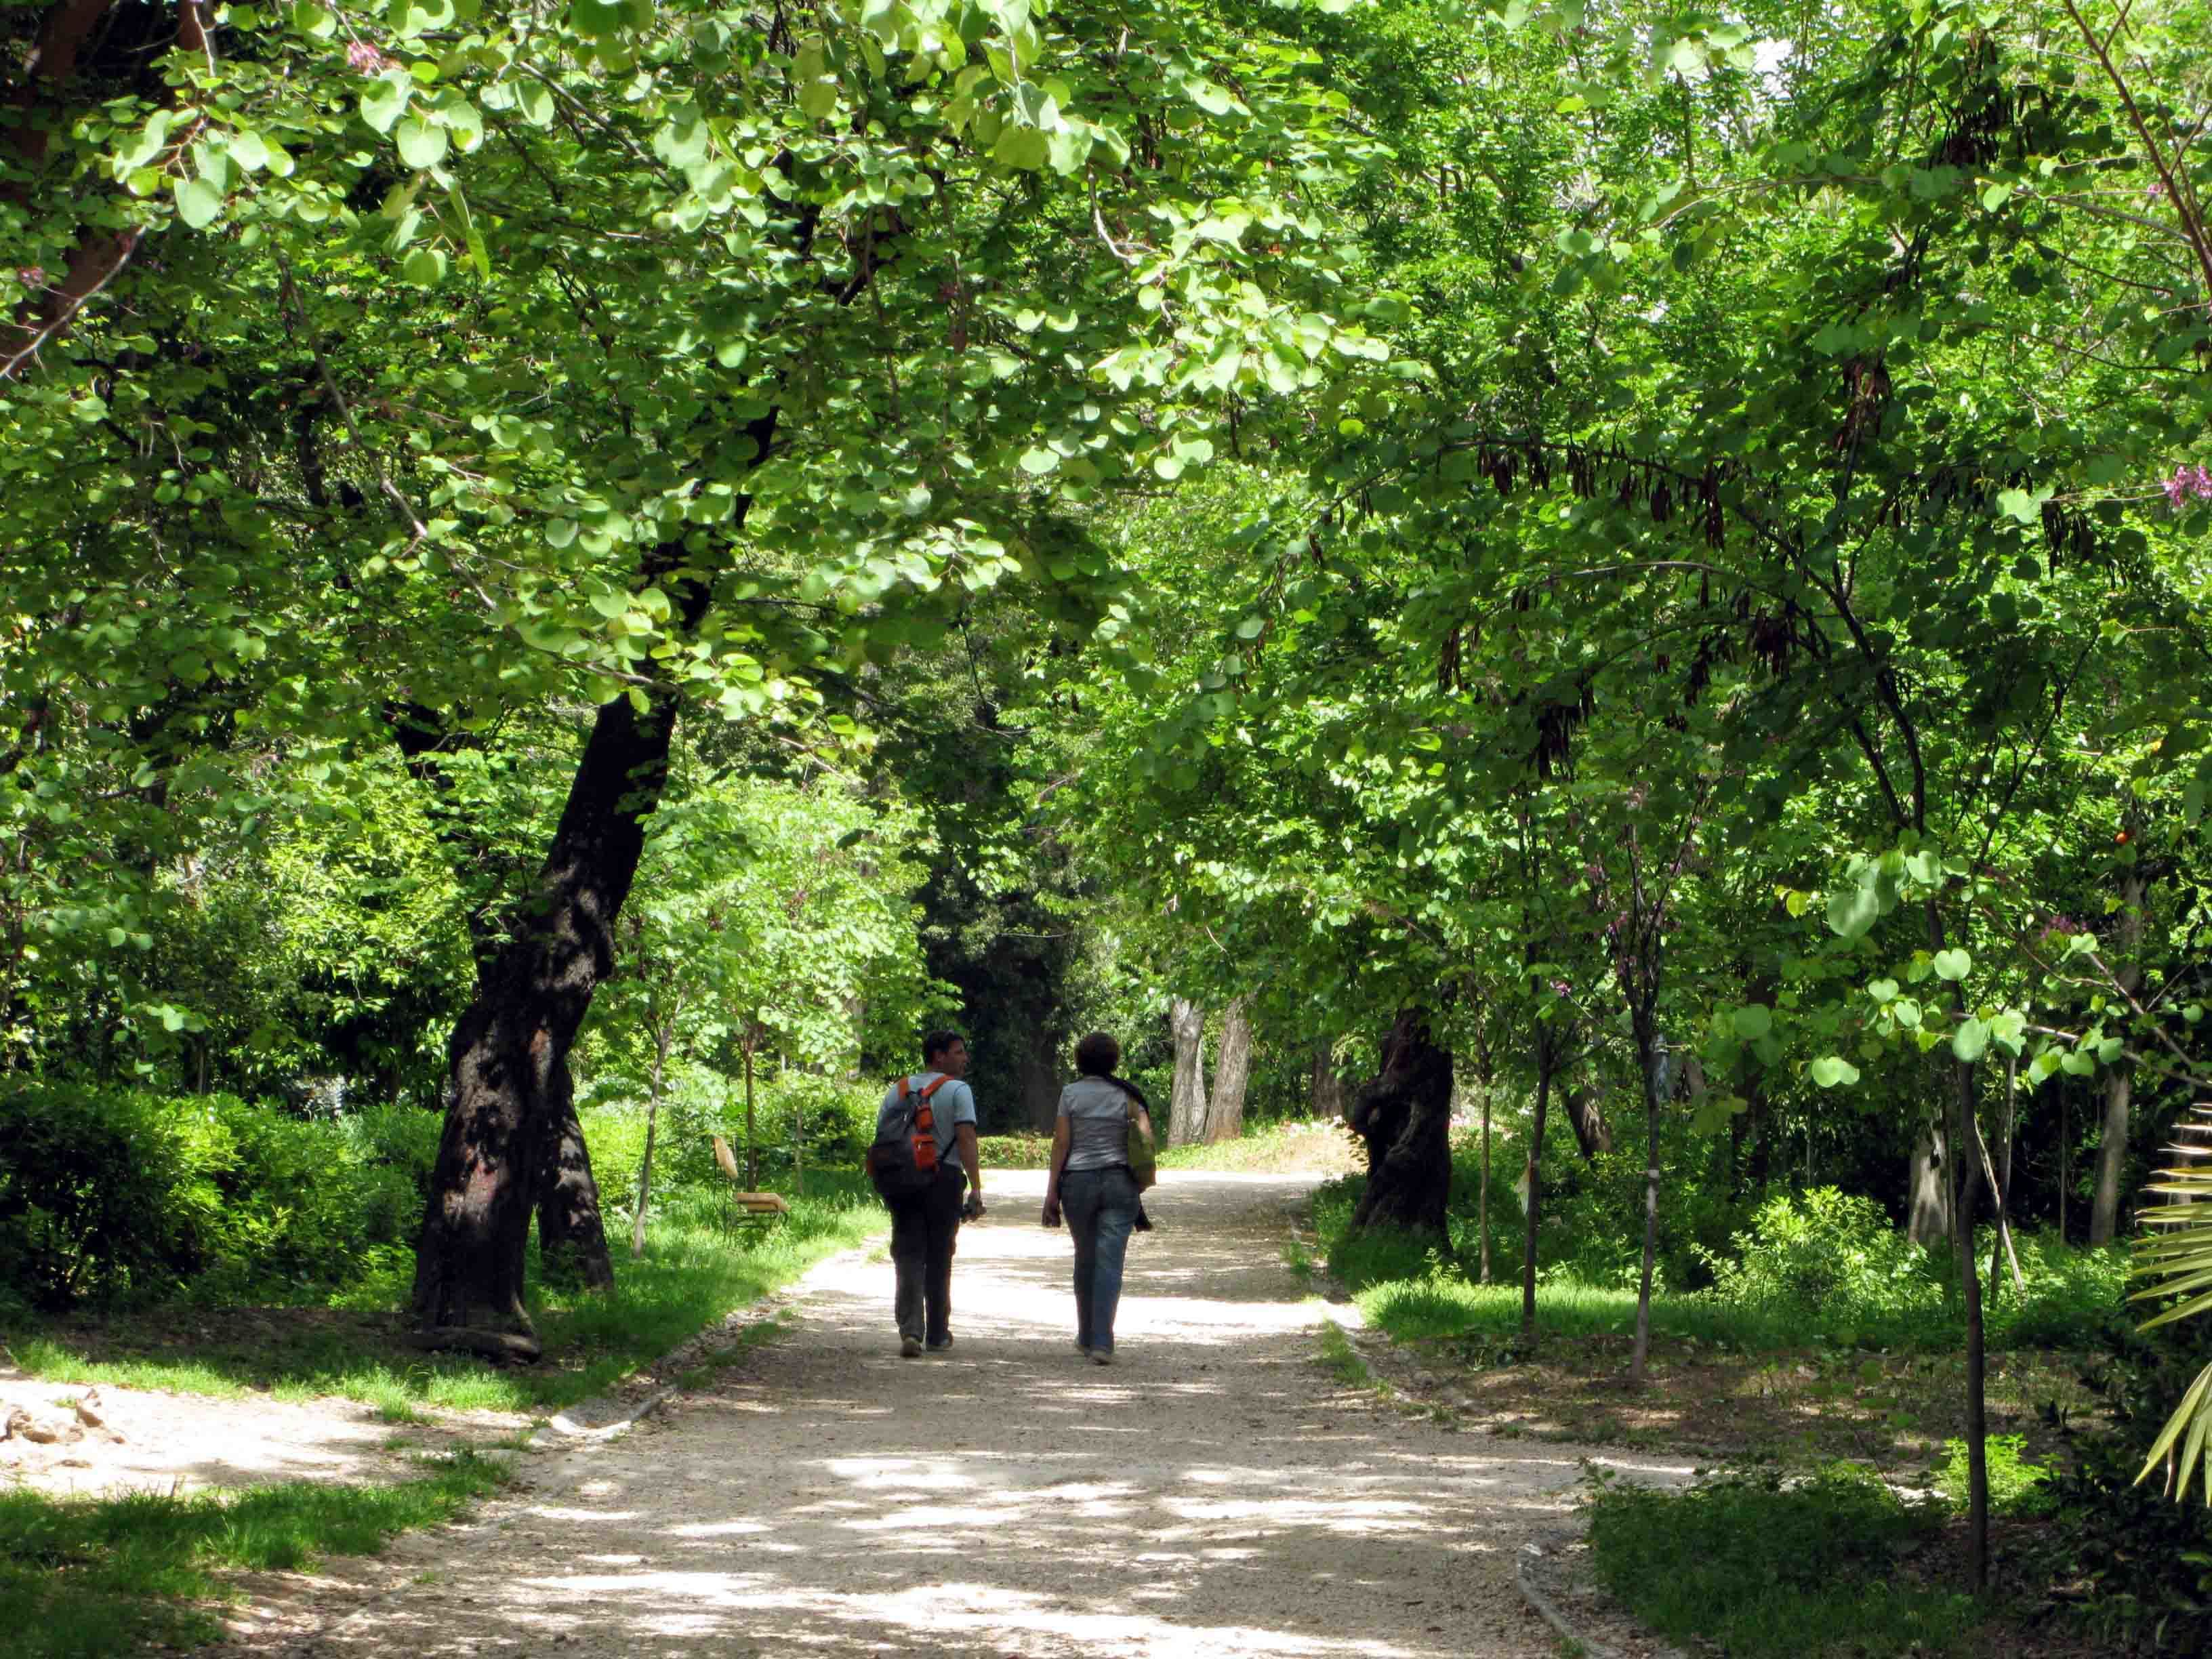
{"points": [[691, 1276], [89, 1579]]}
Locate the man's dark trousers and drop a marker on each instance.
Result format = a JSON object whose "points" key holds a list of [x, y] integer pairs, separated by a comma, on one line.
{"points": [[923, 1228]]}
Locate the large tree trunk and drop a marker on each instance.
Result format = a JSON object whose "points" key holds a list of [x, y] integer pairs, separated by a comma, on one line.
{"points": [[2120, 1084], [1232, 1073], [1928, 1188], [572, 1235], [1187, 1099], [1404, 1114], [509, 1087]]}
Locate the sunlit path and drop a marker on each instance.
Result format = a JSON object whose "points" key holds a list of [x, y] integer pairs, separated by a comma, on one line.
{"points": [[1211, 1494]]}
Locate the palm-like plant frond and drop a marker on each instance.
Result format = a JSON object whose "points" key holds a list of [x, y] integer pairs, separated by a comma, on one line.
{"points": [[2174, 1259]]}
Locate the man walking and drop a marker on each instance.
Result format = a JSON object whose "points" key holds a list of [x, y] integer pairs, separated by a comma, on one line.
{"points": [[925, 1224]]}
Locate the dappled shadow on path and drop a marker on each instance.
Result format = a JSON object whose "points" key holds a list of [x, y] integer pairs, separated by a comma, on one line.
{"points": [[1213, 1494]]}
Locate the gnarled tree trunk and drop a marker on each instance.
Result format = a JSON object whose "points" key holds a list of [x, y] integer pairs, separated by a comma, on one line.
{"points": [[1187, 1099], [1404, 1114], [572, 1235], [1232, 1073], [509, 1092]]}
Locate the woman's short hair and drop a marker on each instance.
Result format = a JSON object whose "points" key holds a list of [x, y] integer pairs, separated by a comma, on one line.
{"points": [[1097, 1054]]}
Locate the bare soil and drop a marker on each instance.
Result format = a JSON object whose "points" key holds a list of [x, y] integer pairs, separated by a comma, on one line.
{"points": [[155, 1441], [1215, 1492]]}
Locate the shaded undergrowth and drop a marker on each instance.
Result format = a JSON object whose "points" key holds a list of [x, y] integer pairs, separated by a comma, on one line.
{"points": [[692, 1274], [1754, 1568]]}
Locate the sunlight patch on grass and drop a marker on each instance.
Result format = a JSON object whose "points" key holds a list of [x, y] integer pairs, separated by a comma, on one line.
{"points": [[85, 1578]]}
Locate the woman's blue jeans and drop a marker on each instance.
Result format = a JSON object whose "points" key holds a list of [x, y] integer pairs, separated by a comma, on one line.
{"points": [[1101, 1206]]}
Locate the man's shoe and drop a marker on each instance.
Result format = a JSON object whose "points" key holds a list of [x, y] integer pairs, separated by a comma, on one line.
{"points": [[939, 1347], [909, 1347], [1083, 1348], [1101, 1356]]}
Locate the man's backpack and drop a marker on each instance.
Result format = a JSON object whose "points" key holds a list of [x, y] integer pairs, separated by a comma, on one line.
{"points": [[904, 1160]]}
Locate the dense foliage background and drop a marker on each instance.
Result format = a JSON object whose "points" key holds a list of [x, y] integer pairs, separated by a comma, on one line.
{"points": [[1660, 553]]}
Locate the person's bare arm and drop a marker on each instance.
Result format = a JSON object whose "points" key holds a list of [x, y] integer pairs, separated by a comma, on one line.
{"points": [[971, 1160], [1062, 1139]]}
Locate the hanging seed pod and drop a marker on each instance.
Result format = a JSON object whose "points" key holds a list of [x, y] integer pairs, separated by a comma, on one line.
{"points": [[1662, 502], [1539, 467]]}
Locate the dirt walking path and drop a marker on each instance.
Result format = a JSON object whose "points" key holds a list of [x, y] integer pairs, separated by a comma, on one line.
{"points": [[1216, 1492]]}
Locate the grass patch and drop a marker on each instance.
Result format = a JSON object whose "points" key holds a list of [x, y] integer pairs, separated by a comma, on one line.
{"points": [[87, 1578], [1757, 1569], [1341, 1360], [1294, 1147], [691, 1275]]}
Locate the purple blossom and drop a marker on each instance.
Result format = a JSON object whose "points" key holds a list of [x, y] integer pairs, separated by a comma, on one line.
{"points": [[2188, 481], [363, 58]]}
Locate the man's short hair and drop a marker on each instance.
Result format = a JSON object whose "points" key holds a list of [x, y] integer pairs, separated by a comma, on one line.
{"points": [[937, 1043], [1097, 1054]]}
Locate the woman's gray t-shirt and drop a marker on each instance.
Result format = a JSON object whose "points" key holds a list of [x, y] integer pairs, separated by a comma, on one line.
{"points": [[1097, 1114]]}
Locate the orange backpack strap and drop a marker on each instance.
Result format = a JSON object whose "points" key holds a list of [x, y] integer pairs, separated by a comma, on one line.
{"points": [[925, 1112]]}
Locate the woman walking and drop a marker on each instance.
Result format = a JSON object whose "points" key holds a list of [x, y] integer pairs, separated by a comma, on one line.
{"points": [[1091, 1180]]}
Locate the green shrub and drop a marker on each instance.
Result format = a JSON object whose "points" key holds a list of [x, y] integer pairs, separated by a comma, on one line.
{"points": [[110, 1193], [1823, 1251], [2017, 1487], [1015, 1151], [102, 1193]]}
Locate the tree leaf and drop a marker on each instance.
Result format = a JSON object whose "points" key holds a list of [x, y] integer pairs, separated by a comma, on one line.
{"points": [[1953, 964], [383, 98], [1834, 1071], [1969, 1042], [1753, 1021], [199, 204], [420, 144], [1853, 911]]}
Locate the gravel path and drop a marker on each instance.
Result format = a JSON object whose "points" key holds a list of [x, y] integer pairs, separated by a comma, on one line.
{"points": [[1215, 1493]]}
